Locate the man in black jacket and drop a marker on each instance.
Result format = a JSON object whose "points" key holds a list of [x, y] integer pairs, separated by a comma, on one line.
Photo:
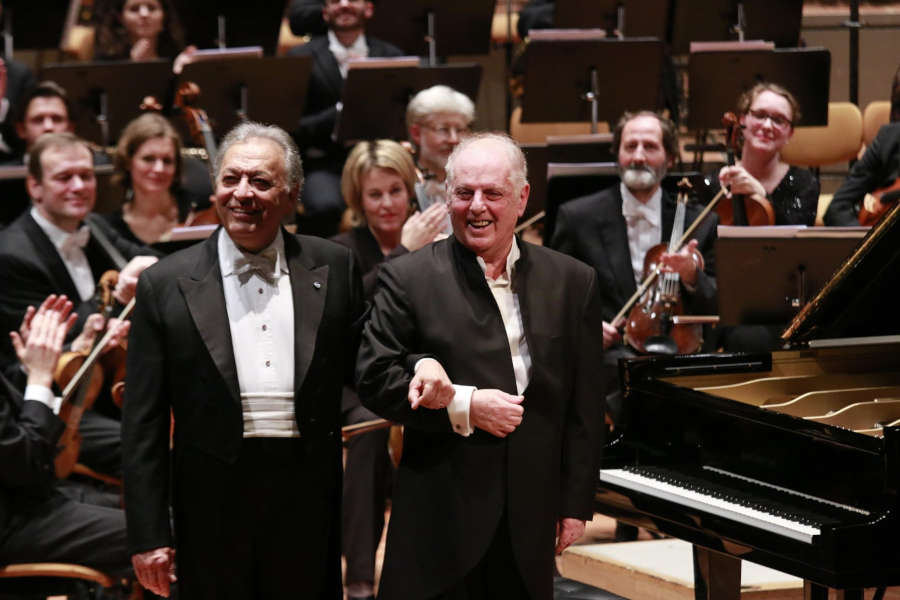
{"points": [[38, 523], [323, 157]]}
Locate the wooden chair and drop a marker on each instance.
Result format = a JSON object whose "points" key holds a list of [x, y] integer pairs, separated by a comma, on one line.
{"points": [[837, 142], [875, 115], [57, 579]]}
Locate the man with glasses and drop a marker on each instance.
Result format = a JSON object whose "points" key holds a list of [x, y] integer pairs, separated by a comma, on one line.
{"points": [[437, 118], [323, 156]]}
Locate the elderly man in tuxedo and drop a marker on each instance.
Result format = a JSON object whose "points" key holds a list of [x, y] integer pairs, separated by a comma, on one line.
{"points": [[485, 348], [247, 339]]}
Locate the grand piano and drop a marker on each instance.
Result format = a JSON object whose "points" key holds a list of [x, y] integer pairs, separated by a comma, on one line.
{"points": [[789, 459]]}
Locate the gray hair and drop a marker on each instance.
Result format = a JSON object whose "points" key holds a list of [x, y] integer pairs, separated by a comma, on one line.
{"points": [[248, 130], [439, 99], [518, 175]]}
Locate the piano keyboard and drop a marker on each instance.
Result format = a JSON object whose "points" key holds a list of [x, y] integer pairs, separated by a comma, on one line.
{"points": [[757, 507]]}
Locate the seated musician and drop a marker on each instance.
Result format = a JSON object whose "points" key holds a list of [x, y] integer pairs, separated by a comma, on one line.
{"points": [[767, 114], [148, 168], [17, 81], [878, 169], [323, 157], [40, 521], [437, 118], [378, 184], [57, 247], [613, 229]]}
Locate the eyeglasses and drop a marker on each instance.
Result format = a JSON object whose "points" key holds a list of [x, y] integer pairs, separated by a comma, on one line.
{"points": [[447, 131], [777, 120]]}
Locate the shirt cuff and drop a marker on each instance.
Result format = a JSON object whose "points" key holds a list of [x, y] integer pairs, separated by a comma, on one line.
{"points": [[44, 395], [458, 409]]}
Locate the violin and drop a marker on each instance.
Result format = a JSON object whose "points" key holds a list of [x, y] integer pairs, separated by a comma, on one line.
{"points": [[741, 210], [202, 134], [883, 200], [651, 326], [82, 378]]}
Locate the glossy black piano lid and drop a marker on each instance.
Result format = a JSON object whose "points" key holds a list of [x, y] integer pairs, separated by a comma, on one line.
{"points": [[863, 297]]}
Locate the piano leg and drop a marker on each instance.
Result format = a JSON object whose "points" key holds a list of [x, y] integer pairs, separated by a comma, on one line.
{"points": [[814, 591], [716, 576]]}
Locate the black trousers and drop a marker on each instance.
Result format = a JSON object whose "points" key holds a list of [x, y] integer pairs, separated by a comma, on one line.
{"points": [[495, 576], [256, 529], [367, 475], [67, 527]]}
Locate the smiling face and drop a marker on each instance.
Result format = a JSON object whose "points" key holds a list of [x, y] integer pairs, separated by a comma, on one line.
{"points": [[768, 124], [252, 195], [385, 201], [436, 137], [153, 166], [67, 189], [642, 156], [346, 15], [142, 18], [484, 202]]}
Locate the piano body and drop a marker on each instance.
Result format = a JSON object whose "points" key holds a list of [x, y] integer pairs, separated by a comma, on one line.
{"points": [[789, 459]]}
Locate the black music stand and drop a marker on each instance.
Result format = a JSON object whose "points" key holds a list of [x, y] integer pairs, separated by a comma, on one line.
{"points": [[242, 23], [234, 89], [433, 28], [736, 20], [766, 278], [591, 80], [642, 18], [104, 95], [368, 116], [719, 77], [36, 25]]}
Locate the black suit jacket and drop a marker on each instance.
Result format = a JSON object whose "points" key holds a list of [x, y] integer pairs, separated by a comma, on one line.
{"points": [[593, 230], [368, 254], [325, 91], [181, 357], [28, 434], [879, 167], [452, 491], [19, 80], [31, 269]]}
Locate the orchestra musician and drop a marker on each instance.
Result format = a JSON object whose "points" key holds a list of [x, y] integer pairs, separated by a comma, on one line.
{"points": [[613, 229], [323, 157], [54, 248], [767, 114], [492, 473], [138, 30], [148, 166], [15, 80], [437, 118], [378, 183], [247, 338], [41, 521]]}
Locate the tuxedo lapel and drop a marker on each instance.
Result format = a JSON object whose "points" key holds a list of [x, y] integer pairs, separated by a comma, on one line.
{"points": [[309, 287], [51, 258], [329, 67], [614, 234], [205, 299]]}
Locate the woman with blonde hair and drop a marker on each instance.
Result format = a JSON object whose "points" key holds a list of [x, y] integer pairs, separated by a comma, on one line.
{"points": [[378, 184]]}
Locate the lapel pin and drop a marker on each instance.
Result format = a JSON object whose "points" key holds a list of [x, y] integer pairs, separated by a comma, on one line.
{"points": [[316, 284]]}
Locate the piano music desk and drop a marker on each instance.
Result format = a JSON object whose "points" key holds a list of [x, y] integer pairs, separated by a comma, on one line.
{"points": [[663, 570]]}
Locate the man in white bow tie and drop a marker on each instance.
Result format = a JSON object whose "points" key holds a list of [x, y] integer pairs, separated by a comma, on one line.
{"points": [[51, 249], [248, 339], [323, 157], [612, 230]]}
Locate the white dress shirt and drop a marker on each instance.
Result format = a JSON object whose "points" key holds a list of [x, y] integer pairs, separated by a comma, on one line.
{"points": [[511, 313], [343, 54], [261, 318], [71, 249], [644, 221]]}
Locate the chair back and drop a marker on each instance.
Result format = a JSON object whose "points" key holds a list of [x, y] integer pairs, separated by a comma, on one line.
{"points": [[875, 115], [836, 142]]}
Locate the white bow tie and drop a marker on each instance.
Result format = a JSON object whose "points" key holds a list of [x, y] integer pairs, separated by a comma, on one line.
{"points": [[79, 240], [263, 264]]}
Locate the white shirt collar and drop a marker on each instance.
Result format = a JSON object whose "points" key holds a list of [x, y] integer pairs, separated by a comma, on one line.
{"points": [[229, 253], [511, 259], [651, 211], [358, 49], [57, 235]]}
